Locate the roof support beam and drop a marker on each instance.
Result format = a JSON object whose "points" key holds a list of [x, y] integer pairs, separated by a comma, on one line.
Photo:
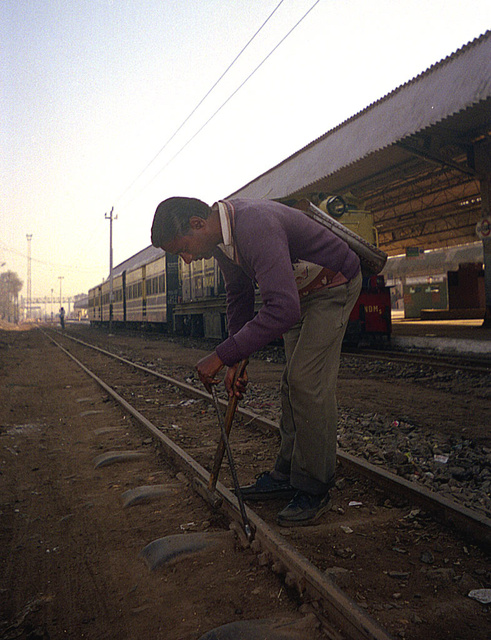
{"points": [[430, 157], [443, 209], [415, 192], [432, 239]]}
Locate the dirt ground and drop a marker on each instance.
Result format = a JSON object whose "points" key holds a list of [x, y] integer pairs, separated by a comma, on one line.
{"points": [[70, 553]]}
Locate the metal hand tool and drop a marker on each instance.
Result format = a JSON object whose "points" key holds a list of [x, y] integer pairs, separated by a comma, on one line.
{"points": [[209, 492], [238, 492], [229, 417]]}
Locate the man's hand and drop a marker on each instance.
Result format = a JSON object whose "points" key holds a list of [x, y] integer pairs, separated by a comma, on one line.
{"points": [[238, 389], [207, 369]]}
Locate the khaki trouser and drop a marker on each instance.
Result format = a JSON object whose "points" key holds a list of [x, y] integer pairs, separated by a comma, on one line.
{"points": [[308, 425]]}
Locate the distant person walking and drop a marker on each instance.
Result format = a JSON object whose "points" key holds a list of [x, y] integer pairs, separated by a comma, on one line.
{"points": [[62, 317]]}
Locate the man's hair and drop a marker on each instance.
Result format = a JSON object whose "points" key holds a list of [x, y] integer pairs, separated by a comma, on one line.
{"points": [[172, 218]]}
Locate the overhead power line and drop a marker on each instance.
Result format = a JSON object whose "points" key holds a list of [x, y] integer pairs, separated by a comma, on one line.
{"points": [[200, 102], [228, 99], [52, 265]]}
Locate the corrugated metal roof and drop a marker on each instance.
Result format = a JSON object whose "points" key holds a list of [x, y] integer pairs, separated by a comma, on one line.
{"points": [[448, 87], [364, 151]]}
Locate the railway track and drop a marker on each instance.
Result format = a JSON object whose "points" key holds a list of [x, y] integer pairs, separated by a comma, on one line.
{"points": [[375, 515], [454, 363]]}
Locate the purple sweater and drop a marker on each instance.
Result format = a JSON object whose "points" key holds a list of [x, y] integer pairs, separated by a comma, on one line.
{"points": [[270, 236]]}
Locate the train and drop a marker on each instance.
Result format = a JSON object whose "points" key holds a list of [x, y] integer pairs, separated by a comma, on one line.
{"points": [[155, 290], [445, 283]]}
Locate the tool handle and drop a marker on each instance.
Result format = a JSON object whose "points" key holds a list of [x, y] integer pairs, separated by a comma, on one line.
{"points": [[233, 471], [233, 401], [229, 418]]}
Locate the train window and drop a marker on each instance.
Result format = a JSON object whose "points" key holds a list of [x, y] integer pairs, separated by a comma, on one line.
{"points": [[161, 284]]}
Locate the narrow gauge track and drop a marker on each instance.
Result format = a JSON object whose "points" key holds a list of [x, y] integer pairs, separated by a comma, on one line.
{"points": [[340, 617], [403, 589]]}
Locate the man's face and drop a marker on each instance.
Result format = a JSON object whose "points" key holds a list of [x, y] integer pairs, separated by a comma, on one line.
{"points": [[195, 245]]}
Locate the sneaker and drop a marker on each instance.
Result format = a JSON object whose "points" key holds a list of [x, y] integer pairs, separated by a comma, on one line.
{"points": [[266, 488], [304, 509]]}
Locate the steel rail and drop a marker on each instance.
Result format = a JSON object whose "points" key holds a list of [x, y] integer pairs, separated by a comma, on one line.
{"points": [[340, 616], [470, 523], [438, 362]]}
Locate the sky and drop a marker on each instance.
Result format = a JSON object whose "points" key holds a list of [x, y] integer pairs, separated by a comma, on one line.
{"points": [[115, 105]]}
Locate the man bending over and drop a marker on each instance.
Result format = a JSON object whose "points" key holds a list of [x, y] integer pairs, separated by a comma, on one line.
{"points": [[309, 280]]}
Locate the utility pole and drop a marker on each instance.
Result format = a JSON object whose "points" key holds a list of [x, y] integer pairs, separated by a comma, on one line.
{"points": [[60, 278], [51, 306], [9, 274], [29, 283], [111, 297], [8, 289]]}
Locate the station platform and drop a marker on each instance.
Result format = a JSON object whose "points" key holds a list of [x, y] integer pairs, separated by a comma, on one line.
{"points": [[462, 337]]}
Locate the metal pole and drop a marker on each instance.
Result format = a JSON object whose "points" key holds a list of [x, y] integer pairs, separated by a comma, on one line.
{"points": [[111, 296], [483, 164], [8, 295], [60, 278], [29, 283]]}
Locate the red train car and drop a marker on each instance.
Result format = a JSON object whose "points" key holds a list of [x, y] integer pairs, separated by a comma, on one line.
{"points": [[370, 319]]}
